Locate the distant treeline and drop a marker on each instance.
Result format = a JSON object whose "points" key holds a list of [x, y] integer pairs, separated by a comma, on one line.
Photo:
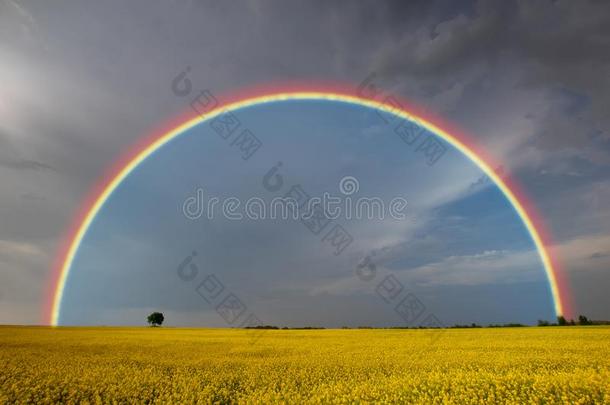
{"points": [[508, 325], [284, 327], [493, 325], [561, 321]]}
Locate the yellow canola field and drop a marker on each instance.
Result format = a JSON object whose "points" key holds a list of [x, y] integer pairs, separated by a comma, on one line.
{"points": [[166, 365]]}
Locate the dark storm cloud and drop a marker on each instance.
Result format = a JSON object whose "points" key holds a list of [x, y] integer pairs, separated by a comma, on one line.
{"points": [[554, 46], [81, 83]]}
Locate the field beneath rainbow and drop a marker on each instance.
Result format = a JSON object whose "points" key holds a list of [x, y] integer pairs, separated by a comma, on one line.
{"points": [[167, 365]]}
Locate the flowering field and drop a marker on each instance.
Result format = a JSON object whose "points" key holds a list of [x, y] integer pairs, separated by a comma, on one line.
{"points": [[144, 365]]}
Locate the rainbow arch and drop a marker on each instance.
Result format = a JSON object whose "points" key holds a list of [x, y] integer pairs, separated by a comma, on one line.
{"points": [[142, 150]]}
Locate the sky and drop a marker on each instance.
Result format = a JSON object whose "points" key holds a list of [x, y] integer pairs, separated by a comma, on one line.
{"points": [[81, 83]]}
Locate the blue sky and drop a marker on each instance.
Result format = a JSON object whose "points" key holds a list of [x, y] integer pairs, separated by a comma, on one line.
{"points": [[460, 245]]}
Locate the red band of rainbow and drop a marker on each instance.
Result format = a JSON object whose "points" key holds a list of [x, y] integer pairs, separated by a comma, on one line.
{"points": [[526, 211]]}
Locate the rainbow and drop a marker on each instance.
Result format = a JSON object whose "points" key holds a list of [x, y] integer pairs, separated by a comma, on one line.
{"points": [[141, 151]]}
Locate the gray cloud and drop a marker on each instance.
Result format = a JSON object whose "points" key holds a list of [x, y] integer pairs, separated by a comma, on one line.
{"points": [[24, 164], [530, 80]]}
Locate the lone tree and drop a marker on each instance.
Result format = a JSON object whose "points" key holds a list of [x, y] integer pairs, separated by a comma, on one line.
{"points": [[155, 319]]}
